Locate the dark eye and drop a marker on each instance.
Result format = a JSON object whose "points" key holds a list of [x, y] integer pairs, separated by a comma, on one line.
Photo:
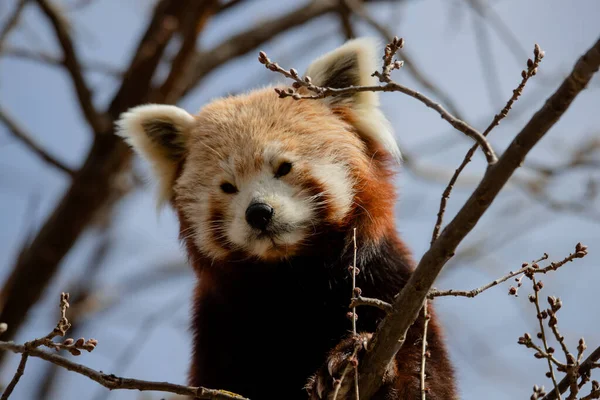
{"points": [[284, 169], [228, 188]]}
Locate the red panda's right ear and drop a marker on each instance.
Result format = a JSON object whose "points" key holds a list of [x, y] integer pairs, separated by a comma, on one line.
{"points": [[353, 64], [159, 133]]}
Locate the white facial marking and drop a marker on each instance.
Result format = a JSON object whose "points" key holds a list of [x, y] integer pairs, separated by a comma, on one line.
{"points": [[338, 187], [295, 209], [291, 213]]}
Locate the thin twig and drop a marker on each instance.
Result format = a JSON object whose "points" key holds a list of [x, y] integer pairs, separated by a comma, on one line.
{"points": [[61, 329], [113, 382], [354, 294], [52, 60], [584, 368], [347, 368], [11, 22], [320, 92], [391, 332], [354, 316], [239, 44], [15, 380], [109, 381], [345, 20], [358, 8], [197, 14], [549, 358], [525, 75], [424, 352], [580, 252], [560, 339], [593, 395], [93, 188], [367, 301], [20, 133], [99, 122]]}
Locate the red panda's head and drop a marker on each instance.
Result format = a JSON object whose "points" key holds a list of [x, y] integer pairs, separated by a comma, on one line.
{"points": [[259, 176]]}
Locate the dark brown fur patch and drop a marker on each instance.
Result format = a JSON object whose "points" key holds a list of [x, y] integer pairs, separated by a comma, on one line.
{"points": [[166, 135]]}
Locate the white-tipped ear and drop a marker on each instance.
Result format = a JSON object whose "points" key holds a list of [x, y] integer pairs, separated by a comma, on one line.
{"points": [[353, 64], [159, 134]]}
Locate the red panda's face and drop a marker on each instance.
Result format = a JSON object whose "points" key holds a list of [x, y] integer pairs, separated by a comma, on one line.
{"points": [[262, 177]]}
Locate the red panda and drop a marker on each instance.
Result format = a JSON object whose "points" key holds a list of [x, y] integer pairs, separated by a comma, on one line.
{"points": [[268, 192]]}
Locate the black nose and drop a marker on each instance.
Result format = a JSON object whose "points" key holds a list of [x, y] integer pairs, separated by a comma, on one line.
{"points": [[259, 215]]}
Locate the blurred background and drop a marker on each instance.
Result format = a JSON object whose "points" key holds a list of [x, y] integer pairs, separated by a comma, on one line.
{"points": [[78, 214]]}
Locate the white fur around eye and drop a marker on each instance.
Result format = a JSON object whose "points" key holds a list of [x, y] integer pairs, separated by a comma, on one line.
{"points": [[338, 186]]}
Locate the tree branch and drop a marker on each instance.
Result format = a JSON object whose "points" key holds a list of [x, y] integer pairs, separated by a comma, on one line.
{"points": [[113, 382], [54, 61], [526, 269], [360, 10], [388, 86], [15, 380], [240, 44], [173, 85], [525, 75], [12, 22], [584, 368], [391, 332], [18, 132], [368, 301], [100, 123], [94, 189]]}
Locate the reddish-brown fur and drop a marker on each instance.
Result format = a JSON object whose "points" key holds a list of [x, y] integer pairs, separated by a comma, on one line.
{"points": [[262, 328], [272, 293]]}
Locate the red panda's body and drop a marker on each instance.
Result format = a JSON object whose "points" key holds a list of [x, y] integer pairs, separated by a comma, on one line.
{"points": [[262, 330], [268, 192]]}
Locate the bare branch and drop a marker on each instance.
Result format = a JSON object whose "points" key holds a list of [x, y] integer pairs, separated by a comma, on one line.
{"points": [[174, 84], [113, 382], [12, 22], [94, 188], [18, 132], [242, 43], [15, 380], [549, 358], [355, 292], [392, 330], [359, 9], [109, 381], [100, 123], [424, 352], [338, 382], [226, 5], [345, 20], [388, 86], [525, 75], [593, 395], [584, 368], [52, 60], [367, 301], [526, 269]]}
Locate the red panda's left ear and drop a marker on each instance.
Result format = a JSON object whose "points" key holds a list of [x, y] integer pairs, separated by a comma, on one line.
{"points": [[352, 64], [159, 133]]}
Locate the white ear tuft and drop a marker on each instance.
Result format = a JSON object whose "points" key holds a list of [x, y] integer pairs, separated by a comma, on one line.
{"points": [[349, 65], [159, 134], [353, 64]]}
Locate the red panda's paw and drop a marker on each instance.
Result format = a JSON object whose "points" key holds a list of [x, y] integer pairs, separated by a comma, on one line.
{"points": [[335, 379]]}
